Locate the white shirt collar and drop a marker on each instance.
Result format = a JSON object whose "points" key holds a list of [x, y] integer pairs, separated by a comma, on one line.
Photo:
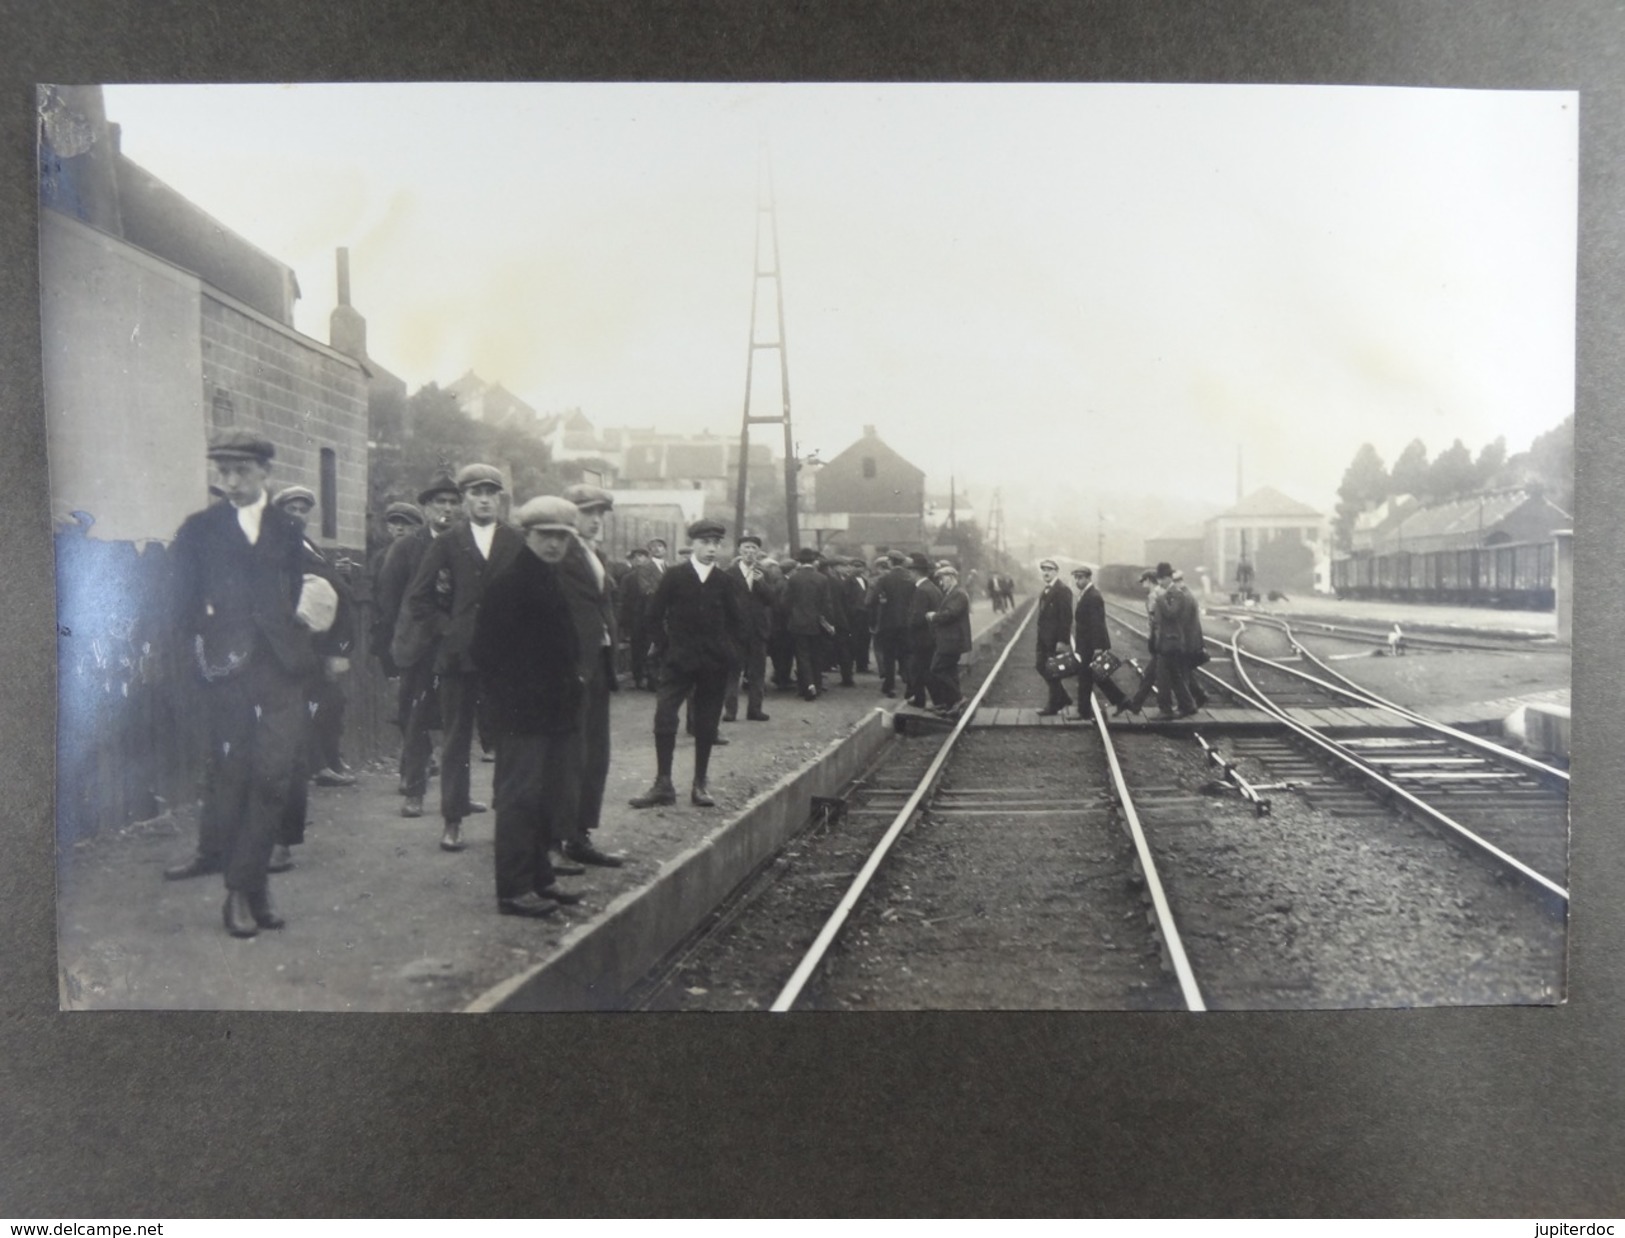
{"points": [[702, 570], [248, 518], [484, 535]]}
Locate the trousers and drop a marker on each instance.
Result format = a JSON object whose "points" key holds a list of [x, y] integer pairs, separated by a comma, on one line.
{"points": [[536, 784]]}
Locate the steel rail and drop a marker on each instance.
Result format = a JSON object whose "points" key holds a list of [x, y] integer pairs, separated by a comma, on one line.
{"points": [[1153, 883], [1366, 697], [837, 920], [1368, 636], [1394, 789]]}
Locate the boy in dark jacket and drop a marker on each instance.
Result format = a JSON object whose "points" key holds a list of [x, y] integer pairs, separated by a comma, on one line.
{"points": [[526, 651]]}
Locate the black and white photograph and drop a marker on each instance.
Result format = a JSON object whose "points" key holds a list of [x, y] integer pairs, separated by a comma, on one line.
{"points": [[685, 547]]}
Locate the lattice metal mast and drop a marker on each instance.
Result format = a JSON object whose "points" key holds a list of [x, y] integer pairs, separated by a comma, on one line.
{"points": [[767, 207]]}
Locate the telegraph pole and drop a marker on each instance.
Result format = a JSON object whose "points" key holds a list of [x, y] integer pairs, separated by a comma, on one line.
{"points": [[766, 208]]}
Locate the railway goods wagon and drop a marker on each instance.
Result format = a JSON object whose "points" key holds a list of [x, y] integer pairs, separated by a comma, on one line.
{"points": [[1514, 575], [1120, 578]]}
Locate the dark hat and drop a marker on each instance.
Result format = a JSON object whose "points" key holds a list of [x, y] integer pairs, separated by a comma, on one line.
{"points": [[590, 498], [919, 563], [896, 558], [471, 475], [1146, 575], [806, 555], [289, 493], [755, 538], [240, 445], [656, 541], [442, 484], [1049, 563], [1164, 569], [636, 551], [408, 512], [707, 527], [547, 512]]}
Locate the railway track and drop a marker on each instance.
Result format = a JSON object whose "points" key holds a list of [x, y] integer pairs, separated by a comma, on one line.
{"points": [[1088, 867], [1356, 634], [1499, 804]]}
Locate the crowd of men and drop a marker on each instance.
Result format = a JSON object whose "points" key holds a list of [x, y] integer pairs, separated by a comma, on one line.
{"points": [[1174, 642], [505, 632]]}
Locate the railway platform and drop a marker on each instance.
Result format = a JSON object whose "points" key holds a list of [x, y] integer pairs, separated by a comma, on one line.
{"points": [[1480, 622], [379, 919]]}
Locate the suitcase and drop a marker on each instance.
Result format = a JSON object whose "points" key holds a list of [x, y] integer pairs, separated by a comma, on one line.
{"points": [[1106, 667]]}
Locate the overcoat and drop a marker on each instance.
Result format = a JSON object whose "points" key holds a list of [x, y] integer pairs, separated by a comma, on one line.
{"points": [[952, 622], [809, 596], [443, 599], [1089, 634], [239, 604], [524, 646], [1054, 617], [896, 598], [757, 600], [592, 605], [704, 621]]}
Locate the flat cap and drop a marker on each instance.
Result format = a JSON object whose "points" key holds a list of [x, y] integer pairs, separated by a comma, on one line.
{"points": [[409, 512], [657, 541], [636, 551], [753, 538], [919, 563], [948, 569], [806, 555], [896, 558], [1165, 569], [707, 528], [240, 445], [590, 498], [1146, 575], [1049, 563], [547, 512], [478, 475], [288, 494], [442, 484], [1083, 571]]}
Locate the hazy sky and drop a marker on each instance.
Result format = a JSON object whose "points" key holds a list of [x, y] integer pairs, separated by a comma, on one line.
{"points": [[1114, 284]]}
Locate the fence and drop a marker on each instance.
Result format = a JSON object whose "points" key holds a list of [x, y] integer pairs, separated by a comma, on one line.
{"points": [[131, 706]]}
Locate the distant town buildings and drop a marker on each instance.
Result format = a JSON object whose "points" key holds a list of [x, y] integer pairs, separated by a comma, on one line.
{"points": [[1286, 542], [1469, 521], [880, 495]]}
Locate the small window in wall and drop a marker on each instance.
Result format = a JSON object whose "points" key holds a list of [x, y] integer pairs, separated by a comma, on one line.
{"points": [[330, 493], [868, 466]]}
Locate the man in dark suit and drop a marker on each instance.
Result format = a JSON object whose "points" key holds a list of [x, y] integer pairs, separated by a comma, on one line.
{"points": [[635, 587], [585, 579], [324, 691], [526, 648], [950, 624], [759, 593], [244, 607], [894, 598], [1090, 636], [1179, 637], [922, 640], [1054, 631], [442, 602], [702, 615], [809, 604], [417, 704]]}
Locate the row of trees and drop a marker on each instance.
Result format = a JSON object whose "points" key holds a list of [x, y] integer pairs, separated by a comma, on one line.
{"points": [[1548, 466]]}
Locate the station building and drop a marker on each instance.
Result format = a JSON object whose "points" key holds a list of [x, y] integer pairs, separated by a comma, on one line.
{"points": [[161, 325], [1286, 542], [879, 493]]}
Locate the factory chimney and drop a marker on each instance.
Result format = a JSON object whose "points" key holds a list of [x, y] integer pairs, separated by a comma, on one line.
{"points": [[347, 329]]}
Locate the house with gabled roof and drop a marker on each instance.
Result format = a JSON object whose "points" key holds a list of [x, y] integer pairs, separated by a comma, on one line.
{"points": [[1261, 528]]}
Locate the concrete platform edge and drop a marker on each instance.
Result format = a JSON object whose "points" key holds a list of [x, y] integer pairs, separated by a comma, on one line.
{"points": [[598, 961]]}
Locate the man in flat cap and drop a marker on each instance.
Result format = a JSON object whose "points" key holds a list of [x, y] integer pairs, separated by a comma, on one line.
{"points": [[417, 702], [1179, 639], [760, 592], [894, 595], [703, 617], [636, 586], [442, 601], [1148, 681], [809, 599], [1054, 631], [924, 600], [1089, 637], [245, 610], [323, 719], [950, 624], [525, 646], [584, 577]]}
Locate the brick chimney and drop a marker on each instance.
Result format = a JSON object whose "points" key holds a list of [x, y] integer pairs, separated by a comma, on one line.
{"points": [[347, 329]]}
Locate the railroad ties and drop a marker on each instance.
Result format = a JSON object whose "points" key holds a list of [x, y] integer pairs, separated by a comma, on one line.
{"points": [[1347, 722]]}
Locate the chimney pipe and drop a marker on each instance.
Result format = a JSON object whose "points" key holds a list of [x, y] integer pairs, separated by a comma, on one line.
{"points": [[344, 275]]}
